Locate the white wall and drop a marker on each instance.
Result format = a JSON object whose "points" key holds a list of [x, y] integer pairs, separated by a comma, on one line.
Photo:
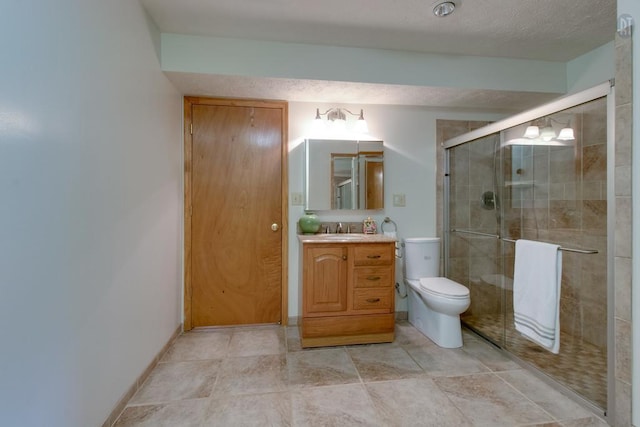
{"points": [[592, 68], [409, 135], [259, 58], [632, 7], [90, 217]]}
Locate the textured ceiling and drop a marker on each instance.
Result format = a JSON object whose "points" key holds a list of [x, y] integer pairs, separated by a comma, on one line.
{"points": [[554, 30], [363, 93]]}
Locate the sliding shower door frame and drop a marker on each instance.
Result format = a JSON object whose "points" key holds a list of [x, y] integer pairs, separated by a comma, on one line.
{"points": [[607, 90], [611, 233]]}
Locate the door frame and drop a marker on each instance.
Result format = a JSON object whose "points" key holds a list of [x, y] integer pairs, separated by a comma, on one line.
{"points": [[189, 101]]}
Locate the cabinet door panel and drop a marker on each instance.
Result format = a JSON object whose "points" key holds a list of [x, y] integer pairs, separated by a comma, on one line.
{"points": [[326, 278]]}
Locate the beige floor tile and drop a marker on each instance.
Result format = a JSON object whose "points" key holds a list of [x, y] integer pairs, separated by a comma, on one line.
{"points": [[487, 400], [591, 421], [414, 402], [320, 367], [250, 375], [199, 346], [257, 342], [552, 401], [293, 339], [247, 376], [184, 413], [380, 362], [490, 356], [438, 361], [343, 405], [256, 410], [406, 334], [177, 381]]}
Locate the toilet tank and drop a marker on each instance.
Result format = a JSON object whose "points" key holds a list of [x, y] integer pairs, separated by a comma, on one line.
{"points": [[421, 257]]}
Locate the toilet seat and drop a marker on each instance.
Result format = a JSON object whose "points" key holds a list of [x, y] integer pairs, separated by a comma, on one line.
{"points": [[443, 287]]}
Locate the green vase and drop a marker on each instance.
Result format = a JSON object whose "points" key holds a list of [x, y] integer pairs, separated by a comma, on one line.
{"points": [[309, 223]]}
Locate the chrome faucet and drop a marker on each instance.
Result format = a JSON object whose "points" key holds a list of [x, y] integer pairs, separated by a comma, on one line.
{"points": [[339, 227]]}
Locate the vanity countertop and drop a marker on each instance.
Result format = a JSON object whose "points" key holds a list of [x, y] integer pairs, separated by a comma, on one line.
{"points": [[345, 238]]}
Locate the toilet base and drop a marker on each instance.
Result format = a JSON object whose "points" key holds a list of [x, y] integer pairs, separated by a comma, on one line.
{"points": [[444, 330]]}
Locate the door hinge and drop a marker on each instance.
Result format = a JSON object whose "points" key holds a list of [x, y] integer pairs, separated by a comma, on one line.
{"points": [[191, 128]]}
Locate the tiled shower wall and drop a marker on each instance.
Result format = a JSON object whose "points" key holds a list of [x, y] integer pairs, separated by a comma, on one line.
{"points": [[555, 194], [446, 129], [566, 204], [623, 231]]}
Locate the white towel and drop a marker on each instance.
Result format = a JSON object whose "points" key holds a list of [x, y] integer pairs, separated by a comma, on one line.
{"points": [[536, 292]]}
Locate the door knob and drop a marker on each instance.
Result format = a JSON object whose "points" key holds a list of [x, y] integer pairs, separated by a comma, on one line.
{"points": [[275, 226]]}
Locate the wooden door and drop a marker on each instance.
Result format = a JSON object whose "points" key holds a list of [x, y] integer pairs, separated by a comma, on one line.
{"points": [[374, 171], [236, 176], [325, 279]]}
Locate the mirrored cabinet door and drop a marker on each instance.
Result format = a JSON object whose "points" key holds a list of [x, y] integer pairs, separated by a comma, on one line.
{"points": [[343, 174]]}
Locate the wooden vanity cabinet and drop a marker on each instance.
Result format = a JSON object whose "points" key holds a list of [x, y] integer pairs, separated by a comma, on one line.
{"points": [[347, 293]]}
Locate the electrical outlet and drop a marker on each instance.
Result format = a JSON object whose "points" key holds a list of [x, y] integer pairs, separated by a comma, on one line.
{"points": [[297, 199], [399, 200]]}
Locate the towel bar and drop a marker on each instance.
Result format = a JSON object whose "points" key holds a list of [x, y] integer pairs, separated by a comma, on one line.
{"points": [[504, 239], [388, 220]]}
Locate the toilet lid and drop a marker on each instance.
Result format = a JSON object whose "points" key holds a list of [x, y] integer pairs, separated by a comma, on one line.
{"points": [[444, 287]]}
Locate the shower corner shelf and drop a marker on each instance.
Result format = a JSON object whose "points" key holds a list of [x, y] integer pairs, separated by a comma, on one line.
{"points": [[519, 183]]}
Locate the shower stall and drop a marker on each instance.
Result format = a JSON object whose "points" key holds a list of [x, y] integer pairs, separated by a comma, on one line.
{"points": [[542, 175]]}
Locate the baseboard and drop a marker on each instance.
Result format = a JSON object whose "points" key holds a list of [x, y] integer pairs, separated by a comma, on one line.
{"points": [[122, 402]]}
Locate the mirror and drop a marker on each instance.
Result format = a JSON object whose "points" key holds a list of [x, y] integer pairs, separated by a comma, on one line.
{"points": [[343, 174]]}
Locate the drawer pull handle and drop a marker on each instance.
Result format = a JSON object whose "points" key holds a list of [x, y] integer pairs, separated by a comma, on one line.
{"points": [[373, 256], [373, 299], [344, 257], [374, 278]]}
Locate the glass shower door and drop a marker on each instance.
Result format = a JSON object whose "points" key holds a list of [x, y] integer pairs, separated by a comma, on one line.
{"points": [[549, 186], [555, 191], [475, 253]]}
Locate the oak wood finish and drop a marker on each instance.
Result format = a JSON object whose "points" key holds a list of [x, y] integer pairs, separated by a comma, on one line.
{"points": [[325, 270], [368, 315], [235, 188], [374, 185]]}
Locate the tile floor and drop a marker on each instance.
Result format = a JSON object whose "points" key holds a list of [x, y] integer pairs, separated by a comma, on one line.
{"points": [[259, 376], [581, 366]]}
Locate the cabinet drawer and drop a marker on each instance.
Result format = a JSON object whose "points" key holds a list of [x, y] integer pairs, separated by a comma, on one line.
{"points": [[372, 277], [382, 254], [372, 299]]}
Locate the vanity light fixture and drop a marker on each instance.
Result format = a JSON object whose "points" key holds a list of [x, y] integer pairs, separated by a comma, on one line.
{"points": [[532, 131], [547, 133], [338, 119], [566, 133], [543, 129], [444, 8]]}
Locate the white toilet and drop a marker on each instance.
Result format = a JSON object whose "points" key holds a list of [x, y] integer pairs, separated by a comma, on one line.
{"points": [[435, 303]]}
